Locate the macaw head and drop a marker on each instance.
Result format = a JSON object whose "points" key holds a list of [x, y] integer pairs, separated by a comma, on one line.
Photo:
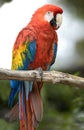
{"points": [[50, 14]]}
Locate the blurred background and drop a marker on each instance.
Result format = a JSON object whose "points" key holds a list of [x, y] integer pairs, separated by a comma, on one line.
{"points": [[63, 105]]}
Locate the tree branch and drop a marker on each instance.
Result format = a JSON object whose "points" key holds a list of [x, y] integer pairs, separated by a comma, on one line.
{"points": [[48, 76]]}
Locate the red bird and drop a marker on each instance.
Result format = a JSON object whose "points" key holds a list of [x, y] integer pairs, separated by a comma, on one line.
{"points": [[35, 47]]}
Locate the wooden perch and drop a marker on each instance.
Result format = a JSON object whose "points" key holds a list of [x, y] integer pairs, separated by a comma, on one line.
{"points": [[48, 76]]}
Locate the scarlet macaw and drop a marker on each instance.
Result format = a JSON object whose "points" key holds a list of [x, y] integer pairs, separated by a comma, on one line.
{"points": [[35, 46]]}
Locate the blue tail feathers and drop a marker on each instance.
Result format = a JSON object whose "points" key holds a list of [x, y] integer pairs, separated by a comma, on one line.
{"points": [[24, 90], [15, 88], [28, 88]]}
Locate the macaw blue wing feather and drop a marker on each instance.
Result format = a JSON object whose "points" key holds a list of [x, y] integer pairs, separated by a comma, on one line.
{"points": [[54, 56], [55, 53]]}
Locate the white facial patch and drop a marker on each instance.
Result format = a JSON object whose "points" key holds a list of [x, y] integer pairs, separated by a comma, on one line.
{"points": [[49, 16], [58, 20]]}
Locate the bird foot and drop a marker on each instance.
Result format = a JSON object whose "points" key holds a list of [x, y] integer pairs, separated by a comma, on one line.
{"points": [[40, 72]]}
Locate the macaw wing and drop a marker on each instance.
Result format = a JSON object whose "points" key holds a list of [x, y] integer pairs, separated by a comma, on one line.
{"points": [[22, 56], [55, 53], [54, 56]]}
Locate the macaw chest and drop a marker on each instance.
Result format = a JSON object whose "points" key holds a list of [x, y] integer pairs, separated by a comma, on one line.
{"points": [[44, 49]]}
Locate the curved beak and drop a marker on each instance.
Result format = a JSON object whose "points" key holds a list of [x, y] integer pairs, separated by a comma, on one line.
{"points": [[56, 21]]}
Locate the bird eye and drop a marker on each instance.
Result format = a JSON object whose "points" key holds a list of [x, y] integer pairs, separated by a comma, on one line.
{"points": [[48, 12]]}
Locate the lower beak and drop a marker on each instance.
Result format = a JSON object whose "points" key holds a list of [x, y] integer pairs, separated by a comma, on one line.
{"points": [[53, 22]]}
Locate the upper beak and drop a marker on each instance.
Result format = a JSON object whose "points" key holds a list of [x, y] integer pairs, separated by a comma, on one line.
{"points": [[58, 20]]}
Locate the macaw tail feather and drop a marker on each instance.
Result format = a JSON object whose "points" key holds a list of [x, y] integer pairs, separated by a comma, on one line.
{"points": [[36, 103], [31, 107], [13, 93], [13, 114]]}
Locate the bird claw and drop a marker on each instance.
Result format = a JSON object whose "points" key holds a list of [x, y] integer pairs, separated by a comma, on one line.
{"points": [[40, 72]]}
